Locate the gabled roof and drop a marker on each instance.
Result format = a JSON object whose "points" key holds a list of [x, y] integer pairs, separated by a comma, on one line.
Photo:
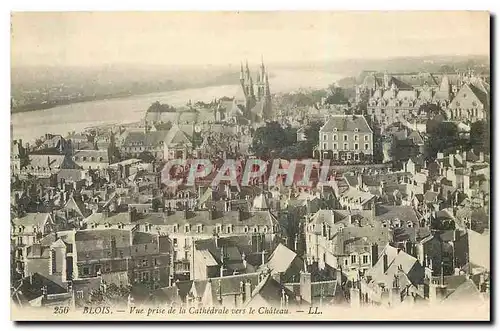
{"points": [[271, 291], [466, 292], [281, 259], [31, 219]]}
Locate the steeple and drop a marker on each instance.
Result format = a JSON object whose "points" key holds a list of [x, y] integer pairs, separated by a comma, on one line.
{"points": [[242, 77], [247, 70], [267, 90], [262, 68]]}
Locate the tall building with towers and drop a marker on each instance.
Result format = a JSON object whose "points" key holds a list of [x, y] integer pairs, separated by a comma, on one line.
{"points": [[252, 102]]}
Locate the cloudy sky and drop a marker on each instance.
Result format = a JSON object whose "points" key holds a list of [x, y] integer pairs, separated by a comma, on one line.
{"points": [[87, 39]]}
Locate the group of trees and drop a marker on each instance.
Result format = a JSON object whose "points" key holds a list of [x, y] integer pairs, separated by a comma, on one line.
{"points": [[274, 141], [445, 137], [157, 107], [304, 99]]}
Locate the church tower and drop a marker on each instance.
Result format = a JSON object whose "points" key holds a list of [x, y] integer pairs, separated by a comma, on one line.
{"points": [[261, 83]]}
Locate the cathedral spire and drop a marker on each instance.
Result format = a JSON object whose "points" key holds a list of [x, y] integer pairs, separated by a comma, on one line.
{"points": [[267, 90], [247, 69], [242, 77]]}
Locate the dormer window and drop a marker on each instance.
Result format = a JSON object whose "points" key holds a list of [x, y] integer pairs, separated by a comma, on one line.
{"points": [[199, 228]]}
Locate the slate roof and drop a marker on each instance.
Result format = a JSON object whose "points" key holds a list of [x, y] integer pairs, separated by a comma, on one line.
{"points": [[150, 139], [347, 123], [31, 219]]}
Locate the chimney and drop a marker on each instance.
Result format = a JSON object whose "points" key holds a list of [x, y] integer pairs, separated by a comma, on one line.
{"points": [[360, 181], [212, 214], [386, 263], [451, 159], [132, 214], [241, 215], [248, 290], [241, 295], [222, 261], [355, 297], [374, 254], [44, 292], [305, 287], [481, 157], [37, 249], [244, 260], [482, 283]]}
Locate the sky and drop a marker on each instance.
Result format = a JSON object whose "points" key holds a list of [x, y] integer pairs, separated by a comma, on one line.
{"points": [[193, 38]]}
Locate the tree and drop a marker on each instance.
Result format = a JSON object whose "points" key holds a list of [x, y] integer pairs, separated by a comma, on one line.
{"points": [[480, 136], [312, 134], [336, 96], [268, 139], [402, 150], [157, 107], [445, 138], [146, 157]]}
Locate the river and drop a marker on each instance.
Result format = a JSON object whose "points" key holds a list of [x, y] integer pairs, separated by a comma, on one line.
{"points": [[76, 117]]}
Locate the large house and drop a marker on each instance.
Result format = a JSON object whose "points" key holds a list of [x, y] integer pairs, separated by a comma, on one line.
{"points": [[347, 138]]}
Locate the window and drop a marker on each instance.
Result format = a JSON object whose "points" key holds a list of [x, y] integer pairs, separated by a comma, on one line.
{"points": [[156, 262], [334, 137], [458, 104], [156, 275], [325, 137], [474, 104], [365, 259], [356, 146], [345, 137], [324, 146], [144, 262], [145, 276], [187, 228], [356, 137], [367, 146], [199, 228], [356, 130], [256, 229], [334, 129], [335, 146], [367, 137], [245, 229], [265, 229], [346, 261], [176, 228], [218, 228], [175, 242], [85, 271], [229, 229], [353, 259], [346, 146]]}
